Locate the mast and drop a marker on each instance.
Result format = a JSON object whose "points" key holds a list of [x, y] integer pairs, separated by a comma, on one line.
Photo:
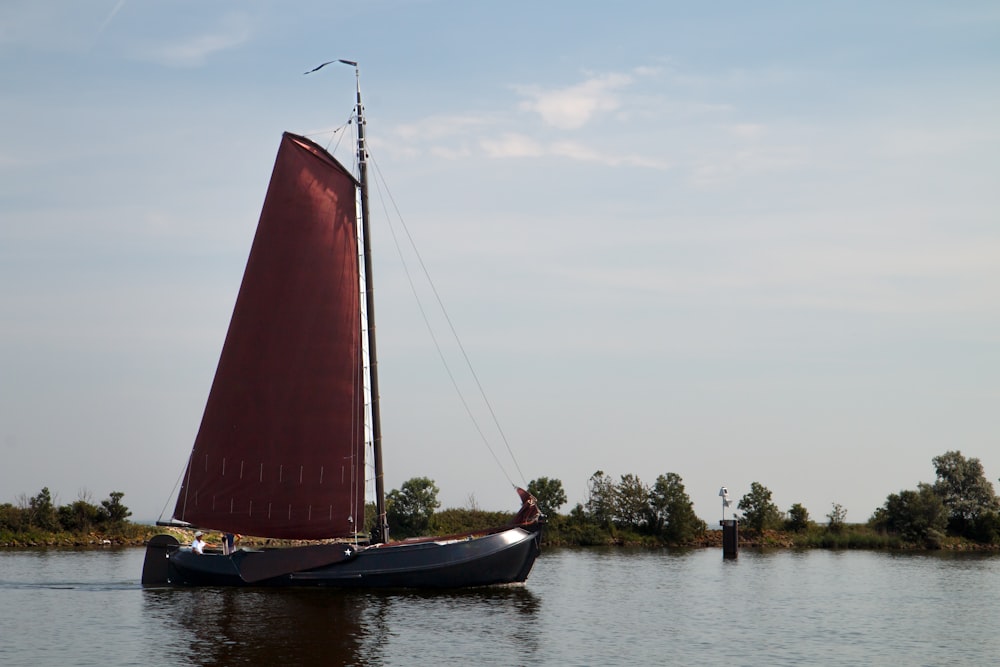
{"points": [[382, 524]]}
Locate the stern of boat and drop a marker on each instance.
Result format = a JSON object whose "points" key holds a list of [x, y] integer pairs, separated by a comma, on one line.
{"points": [[156, 566]]}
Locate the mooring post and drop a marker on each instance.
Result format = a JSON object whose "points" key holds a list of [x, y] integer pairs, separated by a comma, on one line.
{"points": [[730, 528], [730, 538]]}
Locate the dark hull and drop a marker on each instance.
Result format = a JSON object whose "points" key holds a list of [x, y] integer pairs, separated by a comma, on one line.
{"points": [[501, 557]]}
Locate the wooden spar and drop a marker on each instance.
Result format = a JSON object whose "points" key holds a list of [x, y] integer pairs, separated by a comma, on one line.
{"points": [[382, 524]]}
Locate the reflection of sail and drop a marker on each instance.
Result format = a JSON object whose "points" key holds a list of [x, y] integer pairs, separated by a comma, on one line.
{"points": [[291, 626], [222, 626]]}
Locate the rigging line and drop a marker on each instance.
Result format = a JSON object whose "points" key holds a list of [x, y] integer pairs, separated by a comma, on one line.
{"points": [[454, 333], [335, 133], [430, 330], [174, 490], [187, 484]]}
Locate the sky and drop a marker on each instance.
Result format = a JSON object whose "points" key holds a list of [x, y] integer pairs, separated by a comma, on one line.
{"points": [[735, 241]]}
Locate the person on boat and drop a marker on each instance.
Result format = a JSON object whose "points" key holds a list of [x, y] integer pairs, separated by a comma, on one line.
{"points": [[198, 544], [229, 543], [529, 512]]}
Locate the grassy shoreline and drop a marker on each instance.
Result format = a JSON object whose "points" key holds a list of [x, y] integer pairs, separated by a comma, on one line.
{"points": [[851, 536]]}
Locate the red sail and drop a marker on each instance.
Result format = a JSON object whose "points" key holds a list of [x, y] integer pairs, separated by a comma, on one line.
{"points": [[280, 449]]}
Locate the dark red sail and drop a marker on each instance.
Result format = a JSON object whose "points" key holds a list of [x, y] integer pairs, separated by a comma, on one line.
{"points": [[280, 450]]}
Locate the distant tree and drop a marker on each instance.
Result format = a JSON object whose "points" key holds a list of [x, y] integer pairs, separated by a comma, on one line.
{"points": [[631, 502], [463, 519], [758, 510], [409, 509], [42, 511], [965, 491], [371, 518], [578, 514], [549, 494], [986, 528], [580, 528], [600, 504], [798, 518], [836, 517], [916, 516], [12, 518], [81, 515], [671, 512], [113, 512], [471, 503]]}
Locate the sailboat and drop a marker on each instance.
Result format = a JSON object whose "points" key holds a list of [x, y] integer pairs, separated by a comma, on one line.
{"points": [[281, 449]]}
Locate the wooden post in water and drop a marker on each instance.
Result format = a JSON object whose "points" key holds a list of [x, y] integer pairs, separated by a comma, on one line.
{"points": [[730, 528], [730, 538]]}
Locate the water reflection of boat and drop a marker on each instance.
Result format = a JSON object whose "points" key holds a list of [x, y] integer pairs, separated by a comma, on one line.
{"points": [[226, 626], [223, 626]]}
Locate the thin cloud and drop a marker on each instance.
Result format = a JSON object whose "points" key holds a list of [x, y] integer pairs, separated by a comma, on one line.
{"points": [[522, 146], [107, 21], [456, 153], [929, 140], [511, 146], [569, 108], [441, 127], [195, 50], [746, 130], [847, 274], [572, 107], [726, 166]]}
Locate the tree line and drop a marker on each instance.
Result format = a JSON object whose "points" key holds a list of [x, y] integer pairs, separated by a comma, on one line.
{"points": [[960, 504], [40, 514], [615, 511]]}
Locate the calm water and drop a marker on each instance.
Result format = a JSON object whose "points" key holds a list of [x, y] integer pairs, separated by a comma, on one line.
{"points": [[580, 607]]}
